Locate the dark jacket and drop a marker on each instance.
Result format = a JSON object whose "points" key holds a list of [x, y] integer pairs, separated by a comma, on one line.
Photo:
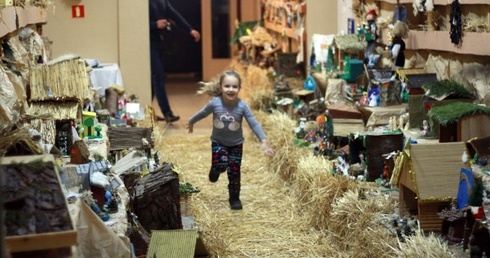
{"points": [[162, 9]]}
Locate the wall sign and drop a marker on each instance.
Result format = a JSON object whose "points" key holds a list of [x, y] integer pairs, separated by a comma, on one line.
{"points": [[77, 11]]}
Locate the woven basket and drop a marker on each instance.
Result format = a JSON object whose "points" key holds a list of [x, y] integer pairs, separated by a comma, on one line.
{"points": [[185, 205]]}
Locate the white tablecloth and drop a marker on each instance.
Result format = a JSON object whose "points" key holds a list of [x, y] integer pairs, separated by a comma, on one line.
{"points": [[104, 76]]}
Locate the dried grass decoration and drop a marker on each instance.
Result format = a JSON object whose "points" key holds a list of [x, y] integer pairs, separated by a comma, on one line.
{"points": [[475, 23], [17, 141], [355, 226], [60, 79]]}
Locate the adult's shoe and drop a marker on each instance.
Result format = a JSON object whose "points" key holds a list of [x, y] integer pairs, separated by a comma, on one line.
{"points": [[171, 118]]}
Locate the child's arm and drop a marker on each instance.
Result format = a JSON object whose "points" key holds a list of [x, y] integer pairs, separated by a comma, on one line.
{"points": [[204, 112]]}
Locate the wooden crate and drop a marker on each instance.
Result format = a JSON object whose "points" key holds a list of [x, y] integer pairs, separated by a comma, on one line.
{"points": [[41, 241]]}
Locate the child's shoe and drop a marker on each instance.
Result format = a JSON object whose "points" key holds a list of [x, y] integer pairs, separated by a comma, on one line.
{"points": [[235, 203], [213, 175]]}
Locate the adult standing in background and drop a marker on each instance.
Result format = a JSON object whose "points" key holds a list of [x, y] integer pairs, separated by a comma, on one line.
{"points": [[161, 15]]}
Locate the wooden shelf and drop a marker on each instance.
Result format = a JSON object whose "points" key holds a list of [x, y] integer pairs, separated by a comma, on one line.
{"points": [[440, 41], [26, 16], [290, 32], [439, 2]]}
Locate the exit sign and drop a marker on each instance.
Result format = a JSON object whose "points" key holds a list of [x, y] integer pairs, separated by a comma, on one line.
{"points": [[77, 11]]}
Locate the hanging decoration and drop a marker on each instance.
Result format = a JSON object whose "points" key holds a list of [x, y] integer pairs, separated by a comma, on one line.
{"points": [[456, 32]]}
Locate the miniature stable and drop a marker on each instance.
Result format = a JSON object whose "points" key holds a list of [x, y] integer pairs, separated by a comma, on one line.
{"points": [[427, 176]]}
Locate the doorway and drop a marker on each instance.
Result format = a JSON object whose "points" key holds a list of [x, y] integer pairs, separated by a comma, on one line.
{"points": [[183, 57]]}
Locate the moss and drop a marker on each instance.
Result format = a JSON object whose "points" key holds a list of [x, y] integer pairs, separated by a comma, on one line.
{"points": [[450, 88], [451, 113]]}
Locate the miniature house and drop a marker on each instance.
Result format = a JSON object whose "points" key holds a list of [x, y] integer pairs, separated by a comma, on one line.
{"points": [[427, 176], [461, 121], [88, 122], [64, 114]]}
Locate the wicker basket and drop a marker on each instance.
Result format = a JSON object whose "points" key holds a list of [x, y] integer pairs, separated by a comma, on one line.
{"points": [[185, 205]]}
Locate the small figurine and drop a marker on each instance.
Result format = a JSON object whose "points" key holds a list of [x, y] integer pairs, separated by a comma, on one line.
{"points": [[374, 99], [425, 128], [397, 47], [311, 137], [364, 99], [370, 35]]}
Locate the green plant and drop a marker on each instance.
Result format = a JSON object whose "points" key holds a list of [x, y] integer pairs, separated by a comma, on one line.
{"points": [[187, 188]]}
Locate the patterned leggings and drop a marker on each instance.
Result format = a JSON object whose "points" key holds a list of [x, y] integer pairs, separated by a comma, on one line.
{"points": [[229, 159]]}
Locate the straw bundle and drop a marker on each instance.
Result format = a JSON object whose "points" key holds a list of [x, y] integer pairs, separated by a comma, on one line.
{"points": [[18, 139], [260, 99], [422, 246], [67, 79], [475, 23], [279, 127], [354, 226], [68, 110], [317, 188]]}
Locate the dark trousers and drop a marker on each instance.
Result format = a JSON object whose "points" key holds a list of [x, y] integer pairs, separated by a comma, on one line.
{"points": [[158, 77], [228, 159]]}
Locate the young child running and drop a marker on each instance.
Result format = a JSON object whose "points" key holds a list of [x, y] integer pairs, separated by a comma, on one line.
{"points": [[227, 135]]}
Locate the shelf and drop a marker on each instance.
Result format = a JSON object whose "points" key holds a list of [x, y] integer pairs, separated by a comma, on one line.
{"points": [[439, 2], [26, 16], [290, 32], [440, 41]]}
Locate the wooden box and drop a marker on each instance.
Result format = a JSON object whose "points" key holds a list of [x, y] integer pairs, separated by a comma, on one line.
{"points": [[376, 146], [67, 236]]}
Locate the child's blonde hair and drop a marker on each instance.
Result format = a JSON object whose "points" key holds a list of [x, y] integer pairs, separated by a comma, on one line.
{"points": [[212, 88]]}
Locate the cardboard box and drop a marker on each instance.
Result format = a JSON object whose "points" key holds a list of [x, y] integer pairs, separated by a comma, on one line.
{"points": [[41, 241]]}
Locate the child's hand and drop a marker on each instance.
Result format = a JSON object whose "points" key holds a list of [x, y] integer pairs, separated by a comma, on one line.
{"points": [[190, 127], [267, 150]]}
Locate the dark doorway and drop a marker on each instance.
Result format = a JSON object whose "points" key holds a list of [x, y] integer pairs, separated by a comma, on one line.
{"points": [[184, 56]]}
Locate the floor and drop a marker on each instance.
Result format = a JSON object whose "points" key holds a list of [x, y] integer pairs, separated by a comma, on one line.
{"points": [[184, 102]]}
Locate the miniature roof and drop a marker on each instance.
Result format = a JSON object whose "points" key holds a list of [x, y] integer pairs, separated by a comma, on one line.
{"points": [[434, 169], [479, 146], [451, 113], [349, 43], [66, 110]]}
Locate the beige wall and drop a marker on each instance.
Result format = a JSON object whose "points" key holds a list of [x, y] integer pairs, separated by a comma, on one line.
{"points": [[321, 18], [113, 31]]}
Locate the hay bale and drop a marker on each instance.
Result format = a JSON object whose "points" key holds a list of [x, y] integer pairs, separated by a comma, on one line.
{"points": [[354, 224], [421, 246]]}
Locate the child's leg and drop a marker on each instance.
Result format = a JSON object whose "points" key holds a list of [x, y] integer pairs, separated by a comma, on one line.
{"points": [[234, 164], [219, 161]]}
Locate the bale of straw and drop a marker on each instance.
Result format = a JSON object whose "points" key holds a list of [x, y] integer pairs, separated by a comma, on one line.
{"points": [[354, 226], [279, 128], [421, 246], [260, 99]]}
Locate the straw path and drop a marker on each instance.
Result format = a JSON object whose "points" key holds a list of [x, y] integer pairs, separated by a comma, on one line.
{"points": [[268, 226], [292, 205]]}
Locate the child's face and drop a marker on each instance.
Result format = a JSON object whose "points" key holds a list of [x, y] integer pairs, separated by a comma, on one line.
{"points": [[230, 88]]}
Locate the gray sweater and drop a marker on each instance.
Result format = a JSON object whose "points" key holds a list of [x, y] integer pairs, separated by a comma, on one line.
{"points": [[227, 121]]}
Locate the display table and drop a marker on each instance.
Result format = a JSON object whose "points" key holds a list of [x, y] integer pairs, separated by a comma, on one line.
{"points": [[105, 75]]}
